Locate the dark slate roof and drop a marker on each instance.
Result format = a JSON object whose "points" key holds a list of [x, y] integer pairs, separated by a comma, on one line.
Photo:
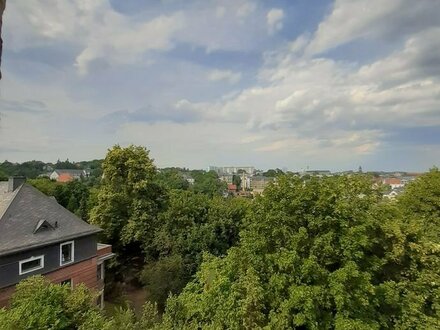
{"points": [[26, 208]]}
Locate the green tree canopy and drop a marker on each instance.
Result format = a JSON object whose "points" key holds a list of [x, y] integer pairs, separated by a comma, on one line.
{"points": [[325, 253], [421, 199], [272, 173], [128, 202], [172, 178], [192, 224], [29, 169], [39, 304], [208, 183], [73, 195]]}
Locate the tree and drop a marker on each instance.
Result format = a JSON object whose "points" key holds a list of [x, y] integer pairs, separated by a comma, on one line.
{"points": [[127, 206], [73, 195], [273, 173], [421, 199], [164, 276], [208, 183], [172, 178], [30, 169], [45, 185], [65, 165], [237, 181], [325, 253], [192, 224], [40, 304]]}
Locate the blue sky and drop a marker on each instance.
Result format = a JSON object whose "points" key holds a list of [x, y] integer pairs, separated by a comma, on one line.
{"points": [[296, 84]]}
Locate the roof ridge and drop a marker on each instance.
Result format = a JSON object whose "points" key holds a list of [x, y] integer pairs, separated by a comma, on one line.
{"points": [[14, 194]]}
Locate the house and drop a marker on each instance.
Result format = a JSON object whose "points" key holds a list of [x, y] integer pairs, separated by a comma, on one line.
{"points": [[393, 182], [68, 175], [39, 236]]}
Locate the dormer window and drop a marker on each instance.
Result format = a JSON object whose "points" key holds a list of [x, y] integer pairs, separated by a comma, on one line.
{"points": [[67, 253], [43, 225]]}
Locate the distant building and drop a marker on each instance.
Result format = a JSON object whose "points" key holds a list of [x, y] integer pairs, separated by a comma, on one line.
{"points": [[61, 175], [224, 170], [259, 183], [393, 182], [318, 172], [226, 178], [245, 181], [40, 237]]}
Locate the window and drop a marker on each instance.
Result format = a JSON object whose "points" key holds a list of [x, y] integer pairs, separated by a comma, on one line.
{"points": [[67, 253], [30, 265], [67, 282], [100, 272]]}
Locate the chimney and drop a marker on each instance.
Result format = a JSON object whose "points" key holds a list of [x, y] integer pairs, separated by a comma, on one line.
{"points": [[15, 182]]}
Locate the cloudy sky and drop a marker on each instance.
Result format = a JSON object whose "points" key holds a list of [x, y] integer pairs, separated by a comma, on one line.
{"points": [[294, 83]]}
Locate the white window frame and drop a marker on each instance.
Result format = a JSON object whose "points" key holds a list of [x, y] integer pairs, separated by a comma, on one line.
{"points": [[21, 262], [102, 270], [61, 253]]}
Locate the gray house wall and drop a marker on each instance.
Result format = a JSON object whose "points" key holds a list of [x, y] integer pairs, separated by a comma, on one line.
{"points": [[85, 248]]}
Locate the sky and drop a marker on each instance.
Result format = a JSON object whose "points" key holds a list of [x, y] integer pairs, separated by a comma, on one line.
{"points": [[296, 84]]}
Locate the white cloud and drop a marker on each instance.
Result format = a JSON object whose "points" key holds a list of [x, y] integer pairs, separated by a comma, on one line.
{"points": [[119, 41], [419, 58], [391, 19], [300, 110], [274, 20], [302, 104], [224, 75], [101, 33]]}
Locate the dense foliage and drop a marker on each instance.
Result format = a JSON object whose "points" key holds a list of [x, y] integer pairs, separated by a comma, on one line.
{"points": [[208, 183], [30, 169], [421, 199], [172, 178], [39, 304], [191, 224], [322, 254], [34, 168], [311, 253], [76, 195], [157, 227], [128, 203]]}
